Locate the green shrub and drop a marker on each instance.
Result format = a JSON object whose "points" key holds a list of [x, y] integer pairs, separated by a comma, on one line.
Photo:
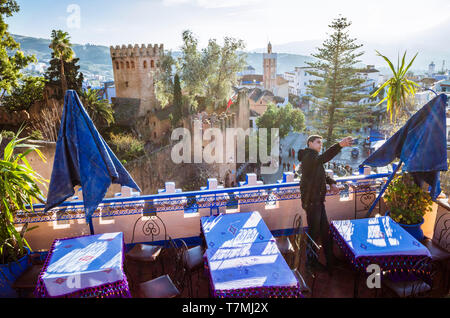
{"points": [[126, 146], [36, 135], [7, 134], [19, 188], [406, 201]]}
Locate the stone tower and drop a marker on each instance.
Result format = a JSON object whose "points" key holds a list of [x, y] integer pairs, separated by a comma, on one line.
{"points": [[270, 69], [135, 69]]}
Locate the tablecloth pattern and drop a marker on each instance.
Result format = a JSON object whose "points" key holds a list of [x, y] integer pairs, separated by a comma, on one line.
{"points": [[227, 230], [106, 266]]}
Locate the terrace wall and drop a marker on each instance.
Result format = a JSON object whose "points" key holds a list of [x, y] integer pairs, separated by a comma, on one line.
{"points": [[117, 216]]}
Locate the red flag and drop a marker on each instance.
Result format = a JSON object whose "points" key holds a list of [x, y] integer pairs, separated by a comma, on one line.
{"points": [[230, 102]]}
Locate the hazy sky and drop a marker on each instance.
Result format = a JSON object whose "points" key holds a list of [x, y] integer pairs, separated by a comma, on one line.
{"points": [[116, 22]]}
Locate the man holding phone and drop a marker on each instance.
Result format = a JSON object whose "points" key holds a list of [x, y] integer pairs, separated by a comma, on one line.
{"points": [[313, 190]]}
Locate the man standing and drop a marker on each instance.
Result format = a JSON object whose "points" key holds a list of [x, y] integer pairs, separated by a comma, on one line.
{"points": [[313, 190]]}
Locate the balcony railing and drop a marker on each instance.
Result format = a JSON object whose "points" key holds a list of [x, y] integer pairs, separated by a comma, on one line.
{"points": [[181, 211]]}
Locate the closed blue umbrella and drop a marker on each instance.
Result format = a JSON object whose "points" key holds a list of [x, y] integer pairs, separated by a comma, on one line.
{"points": [[421, 145], [83, 158]]}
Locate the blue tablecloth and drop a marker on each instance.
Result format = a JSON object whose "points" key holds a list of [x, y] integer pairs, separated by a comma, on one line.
{"points": [[383, 242], [244, 260], [85, 266], [378, 237]]}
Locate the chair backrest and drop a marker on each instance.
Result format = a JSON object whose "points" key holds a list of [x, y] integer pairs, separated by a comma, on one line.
{"points": [[424, 271], [176, 254], [312, 246], [298, 228], [304, 244], [151, 226], [442, 231]]}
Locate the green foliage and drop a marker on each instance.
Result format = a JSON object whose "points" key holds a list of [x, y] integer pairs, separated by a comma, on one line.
{"points": [[126, 146], [63, 70], [24, 96], [62, 50], [18, 188], [406, 201], [12, 59], [209, 73], [337, 91], [98, 109], [7, 134], [72, 73], [399, 87], [36, 135], [164, 84], [177, 102], [286, 119]]}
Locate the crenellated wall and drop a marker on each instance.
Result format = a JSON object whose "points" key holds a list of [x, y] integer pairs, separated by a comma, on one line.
{"points": [[135, 68]]}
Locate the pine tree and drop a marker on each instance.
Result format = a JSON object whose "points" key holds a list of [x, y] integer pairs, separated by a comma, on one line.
{"points": [[338, 91]]}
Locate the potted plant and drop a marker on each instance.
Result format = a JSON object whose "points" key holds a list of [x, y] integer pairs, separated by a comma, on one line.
{"points": [[18, 191], [407, 204]]}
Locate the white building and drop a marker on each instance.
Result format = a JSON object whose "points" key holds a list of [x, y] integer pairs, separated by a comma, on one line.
{"points": [[281, 88], [304, 79], [299, 79], [292, 79]]}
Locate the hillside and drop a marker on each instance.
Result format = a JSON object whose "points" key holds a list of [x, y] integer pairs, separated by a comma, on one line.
{"points": [[96, 60]]}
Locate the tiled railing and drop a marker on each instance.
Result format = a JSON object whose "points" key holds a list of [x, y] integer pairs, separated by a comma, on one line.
{"points": [[180, 212]]}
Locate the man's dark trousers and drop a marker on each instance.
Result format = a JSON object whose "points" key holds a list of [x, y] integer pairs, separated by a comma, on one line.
{"points": [[318, 227]]}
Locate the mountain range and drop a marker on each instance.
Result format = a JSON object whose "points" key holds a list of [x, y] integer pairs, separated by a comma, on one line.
{"points": [[96, 59], [432, 46]]}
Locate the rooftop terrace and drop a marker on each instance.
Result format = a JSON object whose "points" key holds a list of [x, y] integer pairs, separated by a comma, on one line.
{"points": [[178, 216]]}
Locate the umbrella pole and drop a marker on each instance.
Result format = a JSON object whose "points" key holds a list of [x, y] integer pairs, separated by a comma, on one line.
{"points": [[91, 226], [374, 204]]}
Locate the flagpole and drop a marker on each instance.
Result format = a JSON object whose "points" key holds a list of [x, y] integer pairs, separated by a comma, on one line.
{"points": [[374, 204]]}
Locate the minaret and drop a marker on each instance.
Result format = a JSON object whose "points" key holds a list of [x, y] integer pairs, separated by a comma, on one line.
{"points": [[270, 68]]}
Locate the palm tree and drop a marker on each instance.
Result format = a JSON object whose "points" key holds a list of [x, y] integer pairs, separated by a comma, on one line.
{"points": [[399, 87], [62, 50], [99, 109]]}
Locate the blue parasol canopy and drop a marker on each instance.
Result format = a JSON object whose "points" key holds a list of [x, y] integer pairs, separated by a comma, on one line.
{"points": [[421, 144], [83, 158]]}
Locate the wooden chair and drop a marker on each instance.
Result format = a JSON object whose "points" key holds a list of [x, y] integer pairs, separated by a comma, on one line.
{"points": [[439, 246], [300, 240], [143, 254], [310, 246], [28, 280], [412, 288], [284, 244], [192, 262], [167, 286]]}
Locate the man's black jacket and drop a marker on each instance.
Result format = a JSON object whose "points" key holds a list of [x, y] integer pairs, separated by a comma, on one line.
{"points": [[313, 182]]}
